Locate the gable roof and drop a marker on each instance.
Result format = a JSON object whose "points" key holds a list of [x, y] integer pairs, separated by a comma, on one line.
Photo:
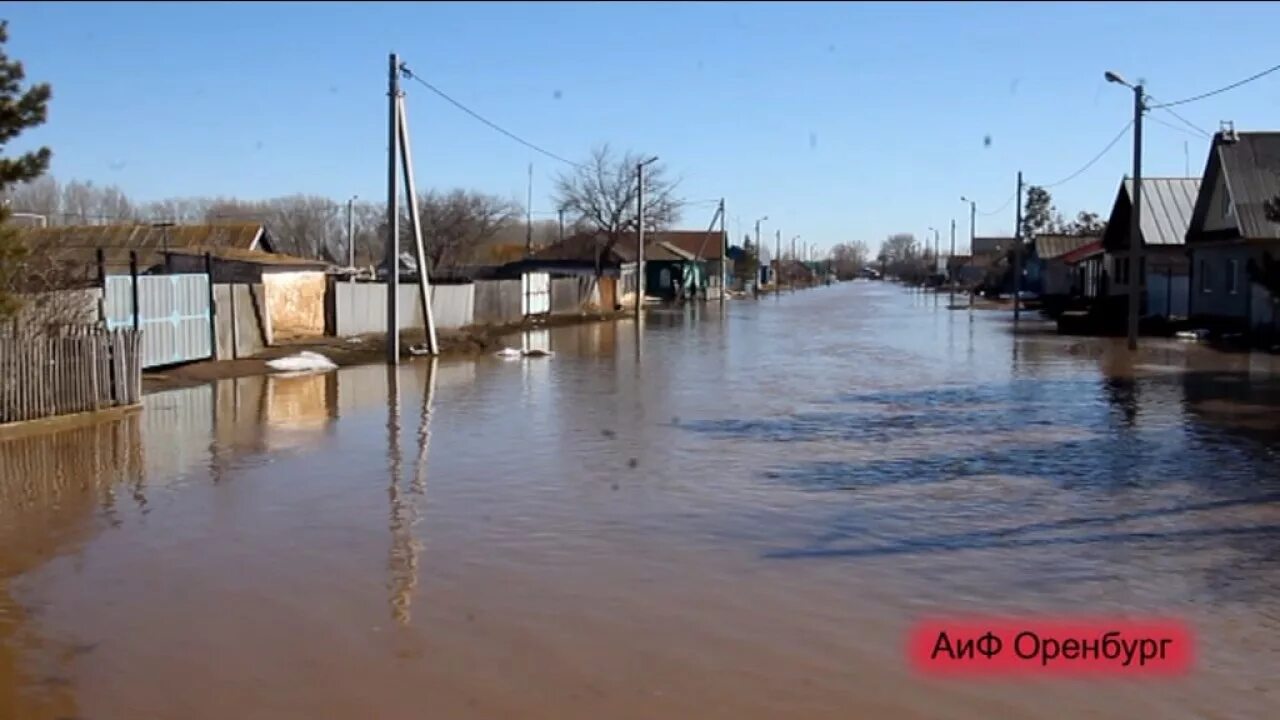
{"points": [[1167, 205], [1249, 162], [708, 245], [1084, 252], [989, 245], [659, 246], [1048, 247], [237, 235]]}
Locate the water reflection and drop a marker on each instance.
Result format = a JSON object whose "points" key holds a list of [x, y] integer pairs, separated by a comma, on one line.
{"points": [[406, 513]]}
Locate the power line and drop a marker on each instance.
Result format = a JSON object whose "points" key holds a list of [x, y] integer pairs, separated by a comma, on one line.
{"points": [[409, 74], [1095, 159], [1171, 126], [1211, 93], [1187, 122], [1000, 209]]}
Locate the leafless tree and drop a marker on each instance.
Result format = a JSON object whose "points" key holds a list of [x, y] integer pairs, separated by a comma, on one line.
{"points": [[601, 194], [848, 259], [459, 223], [42, 196]]}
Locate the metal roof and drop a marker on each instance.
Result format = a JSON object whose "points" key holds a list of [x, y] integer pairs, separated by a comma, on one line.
{"points": [[1250, 162], [1052, 246], [1167, 204]]}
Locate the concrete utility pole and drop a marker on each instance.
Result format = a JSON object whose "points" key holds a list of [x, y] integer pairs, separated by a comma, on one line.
{"points": [[393, 216], [1017, 251], [724, 256], [755, 283], [528, 217], [777, 246], [1136, 263], [794, 260], [415, 224], [951, 281], [351, 231], [640, 232]]}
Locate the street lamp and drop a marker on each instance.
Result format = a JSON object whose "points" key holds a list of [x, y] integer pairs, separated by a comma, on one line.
{"points": [[640, 230], [973, 220], [1135, 215], [759, 248], [936, 248], [351, 231]]}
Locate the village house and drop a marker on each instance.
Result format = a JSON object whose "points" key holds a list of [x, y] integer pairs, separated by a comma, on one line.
{"points": [[678, 264], [1047, 272], [1231, 233], [1167, 205]]}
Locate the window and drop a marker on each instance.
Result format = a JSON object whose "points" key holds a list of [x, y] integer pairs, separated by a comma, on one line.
{"points": [[1204, 277], [1233, 269]]}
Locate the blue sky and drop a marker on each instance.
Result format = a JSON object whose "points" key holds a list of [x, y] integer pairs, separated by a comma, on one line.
{"points": [[838, 121]]}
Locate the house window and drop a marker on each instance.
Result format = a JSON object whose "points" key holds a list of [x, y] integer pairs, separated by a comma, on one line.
{"points": [[1204, 277], [1233, 269]]}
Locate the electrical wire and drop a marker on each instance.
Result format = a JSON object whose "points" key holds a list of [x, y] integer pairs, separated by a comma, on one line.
{"points": [[1000, 209], [1223, 89], [1171, 126], [1095, 159], [1188, 123], [410, 74]]}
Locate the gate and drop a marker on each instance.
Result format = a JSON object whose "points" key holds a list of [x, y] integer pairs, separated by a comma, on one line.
{"points": [[535, 295], [173, 315]]}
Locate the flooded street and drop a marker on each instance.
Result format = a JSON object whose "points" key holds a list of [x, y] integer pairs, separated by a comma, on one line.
{"points": [[738, 516]]}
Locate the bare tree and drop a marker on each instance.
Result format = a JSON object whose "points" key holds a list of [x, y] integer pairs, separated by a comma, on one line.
{"points": [[458, 224], [601, 194], [41, 196], [848, 259]]}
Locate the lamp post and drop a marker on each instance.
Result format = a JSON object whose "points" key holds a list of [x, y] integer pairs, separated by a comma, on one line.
{"points": [[640, 230], [759, 249], [1134, 274], [351, 231], [936, 249]]}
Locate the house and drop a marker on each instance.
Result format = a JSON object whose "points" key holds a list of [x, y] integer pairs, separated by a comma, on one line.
{"points": [[1167, 204], [991, 246], [75, 256], [1047, 272], [967, 270], [1230, 232], [1085, 264], [706, 248], [672, 270]]}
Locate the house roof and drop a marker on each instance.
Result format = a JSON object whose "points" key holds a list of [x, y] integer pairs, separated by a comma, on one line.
{"points": [[1049, 247], [241, 235], [1249, 162], [698, 243], [987, 245], [1167, 205], [1083, 252], [583, 247], [256, 257]]}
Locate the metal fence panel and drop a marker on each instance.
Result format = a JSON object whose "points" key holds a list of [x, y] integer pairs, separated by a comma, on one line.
{"points": [[173, 315]]}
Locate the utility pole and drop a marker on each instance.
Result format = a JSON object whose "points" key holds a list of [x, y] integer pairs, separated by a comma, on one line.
{"points": [[724, 256], [640, 233], [951, 281], [1135, 220], [777, 248], [1017, 251], [794, 260], [528, 217], [415, 224], [560, 214], [393, 217], [351, 231]]}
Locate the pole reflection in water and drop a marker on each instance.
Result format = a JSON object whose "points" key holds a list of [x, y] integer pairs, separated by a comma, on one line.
{"points": [[405, 507]]}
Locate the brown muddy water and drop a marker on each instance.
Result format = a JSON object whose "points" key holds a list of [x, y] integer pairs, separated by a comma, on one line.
{"points": [[737, 517]]}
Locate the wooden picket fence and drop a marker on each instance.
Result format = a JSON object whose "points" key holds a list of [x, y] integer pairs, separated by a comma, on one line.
{"points": [[68, 369]]}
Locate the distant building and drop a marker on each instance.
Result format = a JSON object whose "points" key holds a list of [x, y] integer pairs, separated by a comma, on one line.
{"points": [[1167, 205]]}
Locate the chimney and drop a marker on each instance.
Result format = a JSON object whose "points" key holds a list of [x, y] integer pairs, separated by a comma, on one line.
{"points": [[1227, 129]]}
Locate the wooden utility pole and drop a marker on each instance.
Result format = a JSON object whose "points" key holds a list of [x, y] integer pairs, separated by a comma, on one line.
{"points": [[777, 275], [528, 217], [951, 259], [1017, 251], [392, 258]]}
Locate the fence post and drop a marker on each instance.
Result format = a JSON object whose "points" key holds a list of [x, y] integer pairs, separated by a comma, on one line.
{"points": [[213, 306], [133, 285]]}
